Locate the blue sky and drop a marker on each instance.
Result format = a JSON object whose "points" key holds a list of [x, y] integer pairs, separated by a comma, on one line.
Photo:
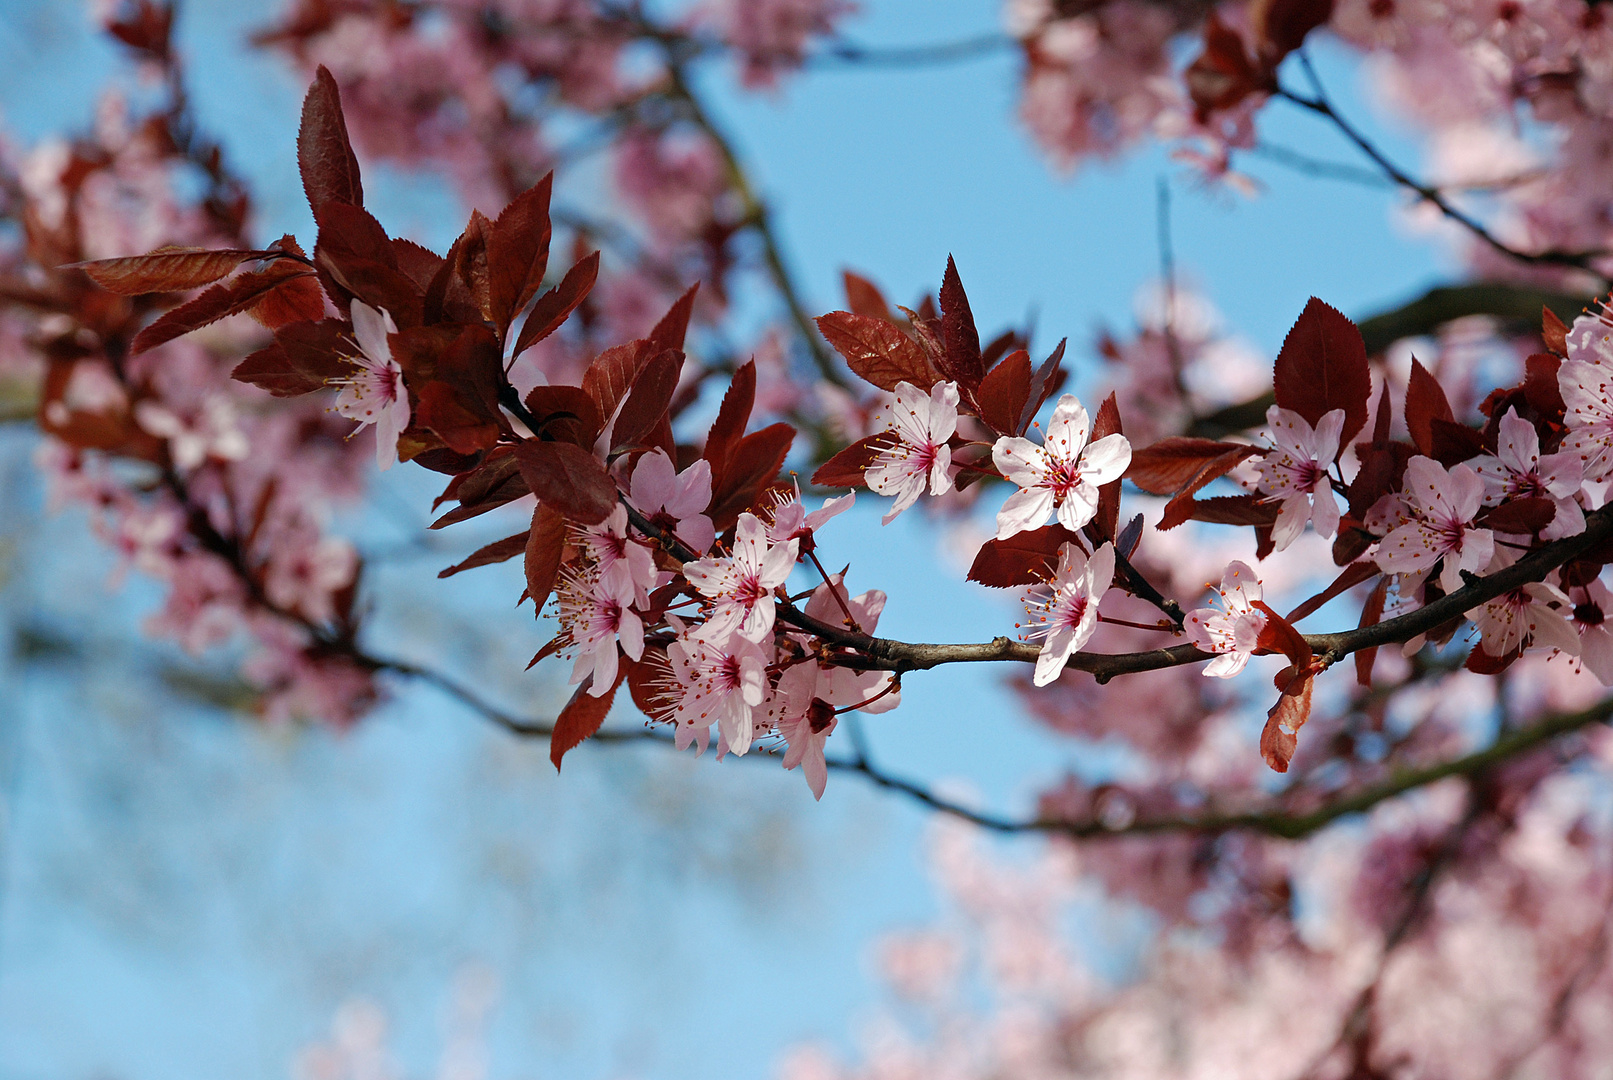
{"points": [[183, 895]]}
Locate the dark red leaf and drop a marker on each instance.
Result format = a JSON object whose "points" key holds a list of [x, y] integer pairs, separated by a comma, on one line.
{"points": [[1553, 331], [877, 350], [442, 410], [674, 325], [1222, 510], [496, 481], [568, 478], [1281, 25], [647, 402], [418, 264], [1107, 519], [1481, 662], [554, 306], [1521, 516], [324, 154], [846, 468], [566, 412], [298, 299], [496, 552], [1044, 384], [581, 717], [864, 298], [1540, 386], [729, 427], [304, 358], [1371, 612], [518, 253], [756, 460], [611, 374], [1279, 635], [1223, 74], [240, 293], [1323, 366], [356, 258], [1025, 558], [545, 546], [168, 269], [1004, 393], [1280, 738], [1425, 403], [958, 331], [1454, 443], [1169, 465], [648, 680]]}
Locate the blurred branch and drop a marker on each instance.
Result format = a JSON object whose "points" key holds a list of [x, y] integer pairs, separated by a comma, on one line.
{"points": [[899, 56]]}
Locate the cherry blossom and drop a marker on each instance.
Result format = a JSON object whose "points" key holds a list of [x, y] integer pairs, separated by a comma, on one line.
{"points": [[742, 584], [1234, 631], [1590, 339], [771, 35], [843, 687], [1296, 475], [212, 431], [1066, 617], [595, 613], [1441, 506], [674, 501], [921, 424], [807, 733], [374, 393], [1062, 475], [1518, 471], [621, 559], [791, 521], [1534, 614], [1590, 618], [717, 675], [1587, 391]]}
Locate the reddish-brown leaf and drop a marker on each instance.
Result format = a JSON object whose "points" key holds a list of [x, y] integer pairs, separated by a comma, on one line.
{"points": [[1353, 575], [756, 460], [581, 717], [648, 679], [1044, 384], [324, 154], [1521, 516], [1025, 558], [1279, 635], [674, 325], [240, 293], [496, 552], [647, 402], [1004, 393], [846, 468], [611, 374], [443, 411], [877, 350], [729, 427], [1540, 386], [418, 264], [566, 412], [356, 259], [1481, 662], [1454, 443], [1223, 74], [864, 298], [1107, 519], [1323, 366], [298, 299], [958, 331], [1221, 510], [1425, 403], [1281, 25], [568, 478], [168, 269], [1371, 612], [1169, 465], [304, 358], [1280, 738], [518, 253], [496, 481], [554, 306], [1553, 331], [545, 545]]}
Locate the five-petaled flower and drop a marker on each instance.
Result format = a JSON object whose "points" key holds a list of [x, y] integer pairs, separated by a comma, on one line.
{"points": [[672, 500], [1595, 633], [742, 584], [1533, 614], [1062, 475], [1441, 506], [1295, 473], [1066, 617], [1234, 631], [595, 613], [1587, 391], [374, 393], [1518, 471], [920, 425], [720, 676]]}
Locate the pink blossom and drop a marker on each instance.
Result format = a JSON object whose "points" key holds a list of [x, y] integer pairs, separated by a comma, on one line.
{"points": [[595, 613], [1532, 614], [374, 393], [211, 431], [622, 561], [674, 501], [306, 570], [1441, 506], [791, 520], [1517, 471], [807, 733], [742, 584], [1234, 631], [1295, 474], [717, 675], [1066, 619], [1587, 390], [771, 35], [1590, 339], [1062, 475], [842, 686], [1595, 635], [921, 424]]}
